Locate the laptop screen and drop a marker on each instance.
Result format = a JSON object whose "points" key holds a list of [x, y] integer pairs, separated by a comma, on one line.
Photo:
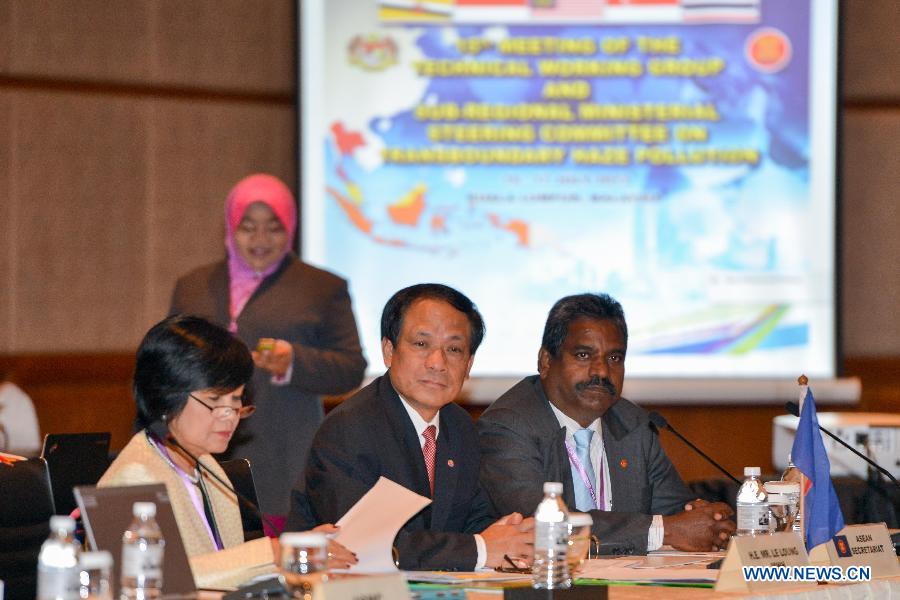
{"points": [[107, 513]]}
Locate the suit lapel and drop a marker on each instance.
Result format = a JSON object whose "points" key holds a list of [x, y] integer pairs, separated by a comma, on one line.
{"points": [[271, 279], [445, 476], [406, 439], [544, 417], [220, 292], [620, 455]]}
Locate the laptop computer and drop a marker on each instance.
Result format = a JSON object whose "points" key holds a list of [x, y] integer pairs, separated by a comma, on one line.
{"points": [[107, 513]]}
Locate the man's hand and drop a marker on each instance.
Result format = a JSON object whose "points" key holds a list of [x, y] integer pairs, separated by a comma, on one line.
{"points": [[510, 536], [274, 356], [703, 526]]}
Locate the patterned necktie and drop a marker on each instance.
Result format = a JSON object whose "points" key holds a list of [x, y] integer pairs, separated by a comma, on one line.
{"points": [[583, 499], [429, 450]]}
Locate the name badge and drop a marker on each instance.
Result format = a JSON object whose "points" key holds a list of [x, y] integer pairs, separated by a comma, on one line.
{"points": [[859, 545], [783, 549]]}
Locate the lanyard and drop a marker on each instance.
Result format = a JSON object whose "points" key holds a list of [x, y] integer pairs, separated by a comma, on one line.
{"points": [[191, 486], [582, 473]]}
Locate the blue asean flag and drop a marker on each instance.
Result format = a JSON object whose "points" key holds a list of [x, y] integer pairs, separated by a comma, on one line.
{"points": [[822, 517]]}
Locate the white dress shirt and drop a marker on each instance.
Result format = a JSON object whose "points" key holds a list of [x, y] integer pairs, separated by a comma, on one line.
{"points": [[420, 425], [601, 471]]}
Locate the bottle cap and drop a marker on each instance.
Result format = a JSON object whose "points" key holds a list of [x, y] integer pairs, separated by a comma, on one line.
{"points": [[100, 559], [141, 509], [553, 487], [751, 471], [303, 539], [579, 519], [58, 522], [782, 487]]}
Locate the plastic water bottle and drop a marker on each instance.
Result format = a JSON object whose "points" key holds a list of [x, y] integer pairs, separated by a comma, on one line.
{"points": [[793, 475], [752, 505], [58, 562], [551, 540], [142, 555]]}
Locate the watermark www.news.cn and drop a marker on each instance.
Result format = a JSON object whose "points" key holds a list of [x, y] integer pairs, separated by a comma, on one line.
{"points": [[807, 573]]}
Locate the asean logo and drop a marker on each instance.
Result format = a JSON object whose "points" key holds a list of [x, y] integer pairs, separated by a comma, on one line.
{"points": [[842, 546], [768, 50], [372, 52]]}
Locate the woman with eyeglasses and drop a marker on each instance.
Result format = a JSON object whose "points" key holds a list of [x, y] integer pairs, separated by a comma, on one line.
{"points": [[191, 388]]}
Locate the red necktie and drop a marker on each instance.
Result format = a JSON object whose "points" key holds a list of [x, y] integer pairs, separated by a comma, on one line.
{"points": [[429, 450]]}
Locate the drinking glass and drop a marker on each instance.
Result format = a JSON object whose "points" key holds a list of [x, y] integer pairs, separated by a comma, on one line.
{"points": [[579, 540]]}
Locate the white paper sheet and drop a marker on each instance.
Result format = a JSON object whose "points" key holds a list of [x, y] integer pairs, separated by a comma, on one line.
{"points": [[370, 526], [647, 568], [484, 575]]}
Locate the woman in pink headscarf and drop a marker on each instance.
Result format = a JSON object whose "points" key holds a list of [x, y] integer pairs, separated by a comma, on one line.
{"points": [[297, 317]]}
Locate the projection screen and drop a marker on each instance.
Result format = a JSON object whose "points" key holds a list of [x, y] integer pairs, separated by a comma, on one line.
{"points": [[676, 154]]}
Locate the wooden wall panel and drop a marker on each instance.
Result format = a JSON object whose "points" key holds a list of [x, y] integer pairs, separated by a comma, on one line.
{"points": [[75, 393], [206, 44], [230, 44], [82, 39], [871, 55], [7, 222], [80, 173], [881, 382], [5, 35], [871, 233], [201, 150]]}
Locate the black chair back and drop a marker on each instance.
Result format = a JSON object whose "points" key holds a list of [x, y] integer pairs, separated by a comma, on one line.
{"points": [[241, 476], [26, 505], [74, 459]]}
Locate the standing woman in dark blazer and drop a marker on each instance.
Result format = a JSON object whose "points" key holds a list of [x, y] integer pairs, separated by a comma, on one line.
{"points": [[299, 319]]}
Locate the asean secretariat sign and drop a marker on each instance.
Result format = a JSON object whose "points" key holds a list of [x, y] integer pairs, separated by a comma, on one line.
{"points": [[868, 545]]}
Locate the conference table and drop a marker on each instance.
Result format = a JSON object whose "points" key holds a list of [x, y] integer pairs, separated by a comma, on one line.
{"points": [[881, 589]]}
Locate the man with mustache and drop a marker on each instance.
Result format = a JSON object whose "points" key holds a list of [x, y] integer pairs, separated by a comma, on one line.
{"points": [[570, 424]]}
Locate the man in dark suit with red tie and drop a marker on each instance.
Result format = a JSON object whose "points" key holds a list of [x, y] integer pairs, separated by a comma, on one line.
{"points": [[405, 427]]}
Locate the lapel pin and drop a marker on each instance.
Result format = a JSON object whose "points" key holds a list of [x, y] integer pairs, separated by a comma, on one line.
{"points": [[450, 463], [623, 463]]}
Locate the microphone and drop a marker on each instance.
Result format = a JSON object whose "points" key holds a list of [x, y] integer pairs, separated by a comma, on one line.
{"points": [[661, 423], [160, 431], [794, 409]]}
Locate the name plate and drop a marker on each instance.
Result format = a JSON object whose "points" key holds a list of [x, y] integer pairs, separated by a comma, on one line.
{"points": [[860, 545], [775, 550], [363, 587]]}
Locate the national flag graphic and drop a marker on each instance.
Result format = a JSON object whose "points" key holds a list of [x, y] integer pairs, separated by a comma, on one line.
{"points": [[822, 514], [492, 11], [721, 11], [561, 10], [412, 11]]}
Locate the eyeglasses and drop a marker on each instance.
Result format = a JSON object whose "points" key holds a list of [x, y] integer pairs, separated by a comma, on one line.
{"points": [[225, 412]]}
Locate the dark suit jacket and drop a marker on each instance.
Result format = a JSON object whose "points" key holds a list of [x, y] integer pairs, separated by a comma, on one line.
{"points": [[309, 308], [523, 446], [371, 435]]}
